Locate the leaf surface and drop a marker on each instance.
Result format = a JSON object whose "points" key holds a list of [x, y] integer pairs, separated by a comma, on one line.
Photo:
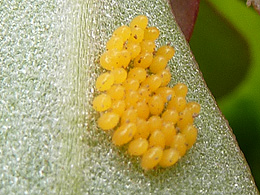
{"points": [[50, 142]]}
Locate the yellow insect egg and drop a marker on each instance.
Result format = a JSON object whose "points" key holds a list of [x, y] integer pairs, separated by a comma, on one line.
{"points": [[131, 98], [138, 147], [137, 73], [131, 84], [158, 64], [166, 93], [151, 33], [108, 120], [147, 46], [145, 94], [120, 75], [169, 131], [185, 118], [104, 81], [167, 51], [137, 35], [124, 134], [102, 102], [123, 31], [194, 107], [170, 115], [152, 82], [178, 103], [143, 60], [134, 49], [124, 58], [170, 157], [154, 123], [179, 143], [180, 89], [118, 107], [109, 59], [156, 105], [165, 75], [116, 92], [115, 42], [142, 129], [151, 158], [129, 116], [143, 110], [190, 132], [157, 138], [140, 21]]}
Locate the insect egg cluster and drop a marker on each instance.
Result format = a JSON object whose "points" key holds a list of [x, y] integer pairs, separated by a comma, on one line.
{"points": [[136, 102]]}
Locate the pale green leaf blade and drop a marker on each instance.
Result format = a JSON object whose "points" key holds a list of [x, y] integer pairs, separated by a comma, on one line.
{"points": [[50, 142]]}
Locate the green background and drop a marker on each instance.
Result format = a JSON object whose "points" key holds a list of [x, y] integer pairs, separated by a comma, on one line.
{"points": [[226, 45]]}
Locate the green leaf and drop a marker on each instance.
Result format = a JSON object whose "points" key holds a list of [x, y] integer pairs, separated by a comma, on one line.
{"points": [[50, 143], [230, 62]]}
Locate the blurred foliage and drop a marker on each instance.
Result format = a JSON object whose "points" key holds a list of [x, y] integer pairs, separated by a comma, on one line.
{"points": [[226, 45]]}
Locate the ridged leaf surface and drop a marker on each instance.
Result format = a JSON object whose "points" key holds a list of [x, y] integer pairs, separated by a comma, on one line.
{"points": [[50, 143]]}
